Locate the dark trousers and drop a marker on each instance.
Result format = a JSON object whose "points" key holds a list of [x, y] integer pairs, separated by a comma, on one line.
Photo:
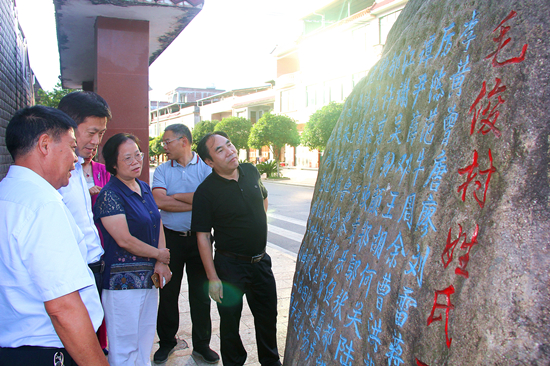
{"points": [[256, 281], [184, 251], [35, 356]]}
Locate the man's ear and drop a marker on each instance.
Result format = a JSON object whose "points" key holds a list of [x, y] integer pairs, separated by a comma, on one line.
{"points": [[44, 144], [209, 162]]}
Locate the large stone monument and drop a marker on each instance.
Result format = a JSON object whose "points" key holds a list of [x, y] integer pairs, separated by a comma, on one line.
{"points": [[429, 233]]}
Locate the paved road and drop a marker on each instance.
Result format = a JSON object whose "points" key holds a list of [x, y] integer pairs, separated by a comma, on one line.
{"points": [[287, 215]]}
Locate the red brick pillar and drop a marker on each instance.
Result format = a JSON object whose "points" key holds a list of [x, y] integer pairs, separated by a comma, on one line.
{"points": [[122, 78]]}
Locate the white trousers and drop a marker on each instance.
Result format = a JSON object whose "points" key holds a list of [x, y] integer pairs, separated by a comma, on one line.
{"points": [[131, 320]]}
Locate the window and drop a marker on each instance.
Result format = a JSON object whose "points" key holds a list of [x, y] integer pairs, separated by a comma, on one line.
{"points": [[253, 117], [287, 100], [311, 96], [334, 90], [385, 25]]}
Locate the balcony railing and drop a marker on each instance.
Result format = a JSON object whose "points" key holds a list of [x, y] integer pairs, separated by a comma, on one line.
{"points": [[181, 3], [288, 80]]}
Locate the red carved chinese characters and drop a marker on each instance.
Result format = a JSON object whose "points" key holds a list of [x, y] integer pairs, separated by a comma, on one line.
{"points": [[447, 255], [448, 307], [464, 259], [420, 363], [486, 115], [502, 42], [471, 170]]}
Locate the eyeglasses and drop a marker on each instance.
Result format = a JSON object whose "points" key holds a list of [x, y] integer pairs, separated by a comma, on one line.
{"points": [[165, 143], [129, 160]]}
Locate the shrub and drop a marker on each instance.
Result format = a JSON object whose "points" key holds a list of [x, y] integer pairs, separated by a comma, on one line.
{"points": [[268, 167]]}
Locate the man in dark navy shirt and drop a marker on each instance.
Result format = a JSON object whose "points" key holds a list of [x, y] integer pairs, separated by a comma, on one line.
{"points": [[233, 201]]}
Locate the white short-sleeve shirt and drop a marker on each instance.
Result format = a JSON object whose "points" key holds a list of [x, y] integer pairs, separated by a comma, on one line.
{"points": [[42, 257], [77, 198]]}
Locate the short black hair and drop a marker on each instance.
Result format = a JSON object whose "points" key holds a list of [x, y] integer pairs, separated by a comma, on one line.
{"points": [[180, 129], [110, 149], [221, 133], [82, 104], [202, 149], [28, 124]]}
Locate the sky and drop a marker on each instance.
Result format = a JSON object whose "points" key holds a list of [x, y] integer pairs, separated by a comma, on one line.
{"points": [[228, 45]]}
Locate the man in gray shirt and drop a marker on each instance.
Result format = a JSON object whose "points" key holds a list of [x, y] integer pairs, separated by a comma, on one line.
{"points": [[174, 184]]}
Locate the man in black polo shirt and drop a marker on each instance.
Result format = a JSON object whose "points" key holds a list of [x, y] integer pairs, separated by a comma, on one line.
{"points": [[233, 201]]}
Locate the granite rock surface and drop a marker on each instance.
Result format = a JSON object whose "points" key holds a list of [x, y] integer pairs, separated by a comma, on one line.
{"points": [[428, 236]]}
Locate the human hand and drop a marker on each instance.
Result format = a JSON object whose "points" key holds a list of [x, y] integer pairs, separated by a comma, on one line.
{"points": [[95, 190], [164, 273], [215, 290], [164, 255]]}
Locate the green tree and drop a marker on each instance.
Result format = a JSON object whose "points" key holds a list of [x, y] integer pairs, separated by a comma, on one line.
{"points": [[200, 130], [318, 129], [52, 98], [275, 131], [155, 146], [238, 130]]}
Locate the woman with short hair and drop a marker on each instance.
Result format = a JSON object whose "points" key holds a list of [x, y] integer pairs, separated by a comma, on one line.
{"points": [[135, 249]]}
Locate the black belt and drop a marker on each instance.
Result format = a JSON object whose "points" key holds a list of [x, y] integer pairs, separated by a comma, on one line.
{"points": [[97, 267], [31, 355], [253, 259], [181, 233]]}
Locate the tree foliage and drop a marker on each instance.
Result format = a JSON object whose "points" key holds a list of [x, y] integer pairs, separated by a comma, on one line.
{"points": [[52, 98], [318, 129], [238, 130], [200, 130], [275, 131], [155, 146]]}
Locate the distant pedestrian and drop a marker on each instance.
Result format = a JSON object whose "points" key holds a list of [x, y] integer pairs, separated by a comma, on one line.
{"points": [[233, 201], [174, 184]]}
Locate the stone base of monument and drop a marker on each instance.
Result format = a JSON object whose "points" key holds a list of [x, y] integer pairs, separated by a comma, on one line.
{"points": [[428, 241]]}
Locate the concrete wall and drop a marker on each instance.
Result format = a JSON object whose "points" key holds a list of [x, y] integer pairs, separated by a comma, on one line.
{"points": [[16, 77]]}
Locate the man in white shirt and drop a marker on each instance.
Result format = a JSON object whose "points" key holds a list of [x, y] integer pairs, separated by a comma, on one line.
{"points": [[49, 305], [91, 114]]}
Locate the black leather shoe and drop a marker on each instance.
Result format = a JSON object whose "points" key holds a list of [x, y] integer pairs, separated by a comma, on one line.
{"points": [[161, 356], [206, 355]]}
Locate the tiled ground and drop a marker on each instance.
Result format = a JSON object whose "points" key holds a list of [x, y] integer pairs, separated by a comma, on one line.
{"points": [[283, 269]]}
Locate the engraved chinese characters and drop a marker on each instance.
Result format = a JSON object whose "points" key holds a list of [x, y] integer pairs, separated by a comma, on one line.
{"points": [[427, 241]]}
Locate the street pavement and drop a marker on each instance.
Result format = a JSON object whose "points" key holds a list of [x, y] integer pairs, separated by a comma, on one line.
{"points": [[284, 264]]}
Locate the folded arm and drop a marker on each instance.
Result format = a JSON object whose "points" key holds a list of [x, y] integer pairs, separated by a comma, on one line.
{"points": [[117, 227], [179, 202]]}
